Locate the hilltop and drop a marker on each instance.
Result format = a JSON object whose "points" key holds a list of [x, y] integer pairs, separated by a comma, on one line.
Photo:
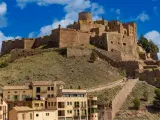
{"points": [[74, 72]]}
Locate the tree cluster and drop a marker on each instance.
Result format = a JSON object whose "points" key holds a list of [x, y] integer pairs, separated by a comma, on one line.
{"points": [[148, 45]]}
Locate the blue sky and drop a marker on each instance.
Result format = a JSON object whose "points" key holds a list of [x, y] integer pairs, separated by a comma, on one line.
{"points": [[33, 18]]}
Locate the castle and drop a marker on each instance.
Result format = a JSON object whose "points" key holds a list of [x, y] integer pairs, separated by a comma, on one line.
{"points": [[118, 39]]}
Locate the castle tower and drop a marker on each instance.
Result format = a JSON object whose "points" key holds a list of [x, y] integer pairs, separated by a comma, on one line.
{"points": [[85, 16]]}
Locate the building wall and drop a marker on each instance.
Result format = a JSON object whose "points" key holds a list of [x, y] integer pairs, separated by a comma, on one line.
{"points": [[45, 115], [69, 105], [13, 115], [27, 115], [38, 104], [9, 94], [3, 110], [44, 92]]}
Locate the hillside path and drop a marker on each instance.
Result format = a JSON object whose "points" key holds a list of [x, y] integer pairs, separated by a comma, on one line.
{"points": [[110, 85]]}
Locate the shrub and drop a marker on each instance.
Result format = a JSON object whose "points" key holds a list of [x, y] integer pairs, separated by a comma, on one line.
{"points": [[136, 103], [79, 87], [156, 102], [93, 57], [145, 95], [3, 64]]}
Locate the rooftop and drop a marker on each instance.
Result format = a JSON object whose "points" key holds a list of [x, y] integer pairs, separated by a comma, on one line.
{"points": [[24, 87], [23, 108], [41, 83]]}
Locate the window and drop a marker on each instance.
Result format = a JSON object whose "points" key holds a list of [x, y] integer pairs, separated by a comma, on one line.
{"points": [[52, 95], [124, 44], [8, 92], [36, 104], [37, 115], [47, 114], [8, 96], [23, 116], [23, 91], [48, 103], [49, 96], [70, 103], [52, 88], [30, 115], [15, 91], [42, 104], [38, 89], [112, 42], [67, 103], [0, 107], [48, 88], [15, 97]]}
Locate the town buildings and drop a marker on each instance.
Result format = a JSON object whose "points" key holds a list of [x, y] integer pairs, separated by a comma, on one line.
{"points": [[47, 100]]}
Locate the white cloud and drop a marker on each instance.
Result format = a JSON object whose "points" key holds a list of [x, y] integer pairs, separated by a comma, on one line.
{"points": [[72, 9], [32, 35], [155, 37], [143, 17], [3, 37], [155, 9], [3, 11]]}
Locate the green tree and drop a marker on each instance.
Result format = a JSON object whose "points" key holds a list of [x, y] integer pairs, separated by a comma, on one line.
{"points": [[148, 45], [156, 102], [93, 57], [136, 103]]}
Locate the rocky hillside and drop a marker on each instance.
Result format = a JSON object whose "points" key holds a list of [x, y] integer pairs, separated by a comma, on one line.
{"points": [[52, 66]]}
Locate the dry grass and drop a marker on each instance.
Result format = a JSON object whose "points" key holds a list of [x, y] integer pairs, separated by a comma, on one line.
{"points": [[52, 66], [105, 96], [128, 113]]}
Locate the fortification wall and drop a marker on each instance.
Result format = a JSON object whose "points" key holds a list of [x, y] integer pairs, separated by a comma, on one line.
{"points": [[73, 38], [152, 76], [28, 43], [41, 41], [121, 97], [7, 46], [108, 112], [77, 52]]}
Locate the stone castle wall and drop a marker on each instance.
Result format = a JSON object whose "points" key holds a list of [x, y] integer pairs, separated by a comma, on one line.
{"points": [[73, 38], [7, 46], [28, 43]]}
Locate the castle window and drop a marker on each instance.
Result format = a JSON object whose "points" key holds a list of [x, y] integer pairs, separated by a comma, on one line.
{"points": [[112, 42], [112, 50], [124, 44]]}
